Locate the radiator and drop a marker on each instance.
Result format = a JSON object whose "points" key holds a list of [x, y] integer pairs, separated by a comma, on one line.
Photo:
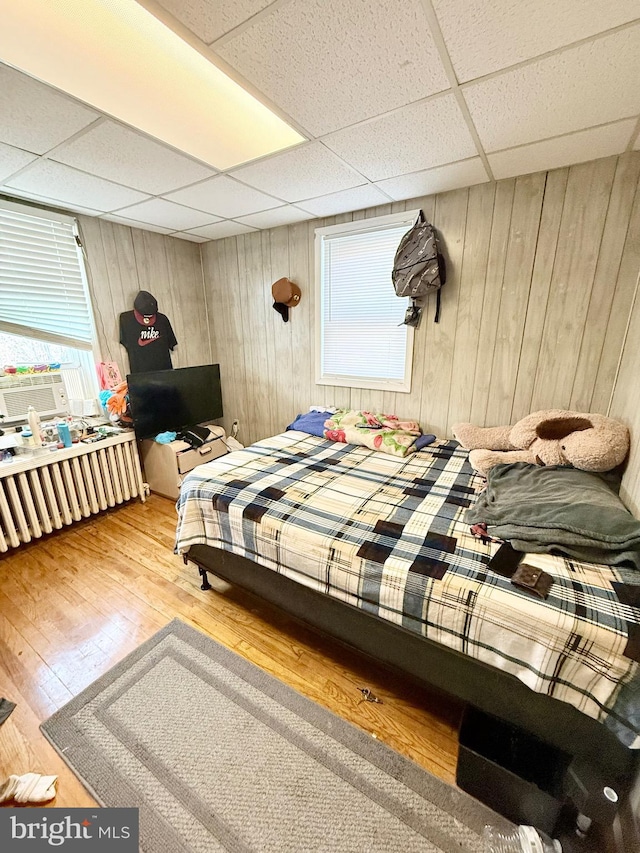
{"points": [[39, 494]]}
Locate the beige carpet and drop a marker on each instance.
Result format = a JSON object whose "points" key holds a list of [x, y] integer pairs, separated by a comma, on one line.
{"points": [[218, 755]]}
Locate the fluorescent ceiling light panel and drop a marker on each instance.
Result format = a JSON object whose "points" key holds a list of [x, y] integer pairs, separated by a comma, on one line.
{"points": [[116, 56]]}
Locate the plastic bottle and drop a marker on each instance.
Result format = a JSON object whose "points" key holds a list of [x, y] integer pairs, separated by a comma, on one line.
{"points": [[64, 434], [27, 438], [34, 425], [520, 839]]}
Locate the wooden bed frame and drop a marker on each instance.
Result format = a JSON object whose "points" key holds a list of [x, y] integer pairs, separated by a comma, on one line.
{"points": [[599, 759]]}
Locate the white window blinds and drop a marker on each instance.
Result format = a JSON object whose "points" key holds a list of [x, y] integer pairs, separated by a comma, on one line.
{"points": [[42, 284], [362, 342]]}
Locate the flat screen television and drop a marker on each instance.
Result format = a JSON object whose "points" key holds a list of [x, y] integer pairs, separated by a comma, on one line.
{"points": [[174, 400]]}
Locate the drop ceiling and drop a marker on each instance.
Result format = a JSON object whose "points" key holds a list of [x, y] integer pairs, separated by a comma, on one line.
{"points": [[394, 100]]}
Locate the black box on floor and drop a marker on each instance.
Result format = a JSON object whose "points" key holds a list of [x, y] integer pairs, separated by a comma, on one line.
{"points": [[513, 772]]}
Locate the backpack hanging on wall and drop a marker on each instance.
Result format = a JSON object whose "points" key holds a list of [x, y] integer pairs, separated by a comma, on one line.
{"points": [[419, 269]]}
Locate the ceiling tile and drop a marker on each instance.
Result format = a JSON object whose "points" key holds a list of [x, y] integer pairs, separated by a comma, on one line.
{"points": [[486, 35], [593, 83], [303, 172], [274, 218], [345, 201], [221, 229], [158, 211], [12, 159], [67, 186], [133, 223], [46, 202], [416, 137], [563, 150], [184, 235], [36, 117], [123, 155], [453, 176], [224, 197], [328, 48], [210, 20]]}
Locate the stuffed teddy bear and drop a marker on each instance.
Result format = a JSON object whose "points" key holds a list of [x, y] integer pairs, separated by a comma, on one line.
{"points": [[553, 437]]}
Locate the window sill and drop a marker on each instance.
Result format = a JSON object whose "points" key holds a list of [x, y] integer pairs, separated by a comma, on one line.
{"points": [[367, 384]]}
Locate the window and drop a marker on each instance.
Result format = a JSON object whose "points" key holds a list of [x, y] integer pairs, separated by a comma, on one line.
{"points": [[16, 349], [361, 341], [45, 312]]}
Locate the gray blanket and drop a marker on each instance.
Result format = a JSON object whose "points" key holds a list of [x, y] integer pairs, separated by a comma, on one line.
{"points": [[559, 509]]}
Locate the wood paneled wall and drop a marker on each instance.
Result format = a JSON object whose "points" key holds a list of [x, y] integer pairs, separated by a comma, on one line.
{"points": [[541, 276], [121, 261], [625, 404]]}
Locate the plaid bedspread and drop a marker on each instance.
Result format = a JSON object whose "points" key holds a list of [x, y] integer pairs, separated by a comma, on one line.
{"points": [[387, 535]]}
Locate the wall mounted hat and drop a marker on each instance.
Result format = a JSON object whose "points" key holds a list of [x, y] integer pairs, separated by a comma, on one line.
{"points": [[286, 292], [286, 295], [145, 303]]}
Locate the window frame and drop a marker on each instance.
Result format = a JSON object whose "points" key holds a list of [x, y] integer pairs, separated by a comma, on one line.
{"points": [[379, 223], [88, 352]]}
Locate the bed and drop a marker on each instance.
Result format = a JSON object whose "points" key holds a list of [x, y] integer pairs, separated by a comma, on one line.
{"points": [[374, 549]]}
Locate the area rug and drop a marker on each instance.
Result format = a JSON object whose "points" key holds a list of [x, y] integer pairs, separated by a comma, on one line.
{"points": [[219, 755]]}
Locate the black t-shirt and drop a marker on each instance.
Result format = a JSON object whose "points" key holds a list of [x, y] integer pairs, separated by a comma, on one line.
{"points": [[148, 346]]}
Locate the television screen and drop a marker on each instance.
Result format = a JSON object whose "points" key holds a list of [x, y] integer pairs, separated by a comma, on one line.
{"points": [[174, 400]]}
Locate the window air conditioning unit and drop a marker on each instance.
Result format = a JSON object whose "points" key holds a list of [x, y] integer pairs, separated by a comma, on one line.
{"points": [[45, 392]]}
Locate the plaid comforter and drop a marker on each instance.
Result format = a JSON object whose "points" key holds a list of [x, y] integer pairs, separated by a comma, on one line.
{"points": [[387, 535]]}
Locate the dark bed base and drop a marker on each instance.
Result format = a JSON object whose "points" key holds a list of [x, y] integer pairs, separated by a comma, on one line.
{"points": [[599, 758]]}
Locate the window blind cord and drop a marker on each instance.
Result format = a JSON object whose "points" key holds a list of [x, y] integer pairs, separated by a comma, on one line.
{"points": [[96, 308]]}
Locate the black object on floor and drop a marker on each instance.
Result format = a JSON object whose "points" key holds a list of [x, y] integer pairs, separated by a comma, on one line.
{"points": [[515, 773], [6, 708]]}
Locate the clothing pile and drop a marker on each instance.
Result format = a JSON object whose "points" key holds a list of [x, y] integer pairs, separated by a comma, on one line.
{"points": [[559, 509]]}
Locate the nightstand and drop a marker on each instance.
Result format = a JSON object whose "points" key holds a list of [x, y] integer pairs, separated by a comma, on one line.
{"points": [[165, 465]]}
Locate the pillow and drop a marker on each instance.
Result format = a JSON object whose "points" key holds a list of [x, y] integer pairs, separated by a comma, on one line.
{"points": [[311, 423], [423, 440]]}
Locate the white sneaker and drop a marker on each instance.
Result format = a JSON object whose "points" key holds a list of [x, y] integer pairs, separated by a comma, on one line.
{"points": [[28, 788]]}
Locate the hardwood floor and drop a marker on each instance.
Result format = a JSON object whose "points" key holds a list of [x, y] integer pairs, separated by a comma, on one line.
{"points": [[74, 603]]}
